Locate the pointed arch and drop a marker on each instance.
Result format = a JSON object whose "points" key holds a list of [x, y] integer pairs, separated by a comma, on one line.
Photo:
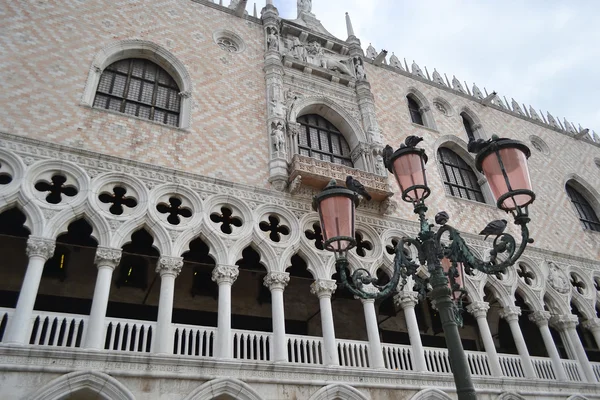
{"points": [[334, 113], [137, 48], [103, 386], [224, 386], [589, 214], [34, 218], [268, 257], [431, 394], [333, 392], [416, 98], [216, 247], [162, 240], [314, 265], [577, 397], [472, 121], [510, 396], [586, 309], [60, 223], [556, 303]]}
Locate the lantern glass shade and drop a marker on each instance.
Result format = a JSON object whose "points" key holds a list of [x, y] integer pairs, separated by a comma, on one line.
{"points": [[446, 265], [515, 177], [409, 170], [337, 222]]}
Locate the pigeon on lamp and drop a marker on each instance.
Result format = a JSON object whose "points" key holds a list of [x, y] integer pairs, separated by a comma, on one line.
{"points": [[387, 153], [496, 227], [441, 218], [357, 187], [412, 140], [476, 145]]}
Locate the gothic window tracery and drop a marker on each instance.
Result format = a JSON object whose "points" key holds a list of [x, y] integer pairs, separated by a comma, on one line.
{"points": [[415, 110], [139, 87], [459, 179], [587, 215], [318, 138], [468, 124]]}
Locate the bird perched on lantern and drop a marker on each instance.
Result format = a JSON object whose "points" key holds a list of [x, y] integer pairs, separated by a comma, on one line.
{"points": [[412, 141], [357, 187], [496, 227]]}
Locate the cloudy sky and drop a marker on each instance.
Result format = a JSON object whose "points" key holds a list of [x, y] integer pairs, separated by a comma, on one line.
{"points": [[541, 52]]}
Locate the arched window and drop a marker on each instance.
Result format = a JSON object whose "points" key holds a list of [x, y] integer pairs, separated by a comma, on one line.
{"points": [[415, 111], [468, 124], [586, 212], [319, 139], [139, 87], [459, 178]]}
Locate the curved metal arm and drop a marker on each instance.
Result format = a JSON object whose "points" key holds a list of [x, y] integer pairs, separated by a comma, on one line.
{"points": [[403, 268], [458, 250]]}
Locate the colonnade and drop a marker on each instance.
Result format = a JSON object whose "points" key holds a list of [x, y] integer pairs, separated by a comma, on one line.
{"points": [[39, 250]]}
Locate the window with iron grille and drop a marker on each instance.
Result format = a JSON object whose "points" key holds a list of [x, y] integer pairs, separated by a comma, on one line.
{"points": [[587, 215], [468, 124], [415, 113], [319, 139], [141, 88], [459, 178]]}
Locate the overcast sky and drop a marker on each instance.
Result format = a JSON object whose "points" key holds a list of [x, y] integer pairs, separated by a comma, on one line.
{"points": [[541, 52]]}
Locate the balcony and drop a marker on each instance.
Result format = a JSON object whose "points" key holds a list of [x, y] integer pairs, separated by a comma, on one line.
{"points": [[317, 173], [67, 332]]}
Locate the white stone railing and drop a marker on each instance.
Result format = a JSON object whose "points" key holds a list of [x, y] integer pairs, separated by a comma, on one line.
{"points": [[129, 335], [511, 366], [305, 349], [249, 345], [193, 340], [572, 370], [398, 357], [69, 330], [352, 353]]}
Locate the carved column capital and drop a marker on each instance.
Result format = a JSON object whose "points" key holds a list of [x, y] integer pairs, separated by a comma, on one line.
{"points": [[368, 289], [564, 322], [510, 313], [276, 280], [540, 318], [406, 300], [107, 257], [40, 247], [323, 287], [592, 325], [226, 274], [169, 266], [479, 309]]}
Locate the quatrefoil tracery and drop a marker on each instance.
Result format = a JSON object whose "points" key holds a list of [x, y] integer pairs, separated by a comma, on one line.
{"points": [[175, 210], [525, 274], [578, 283], [362, 245], [226, 219], [316, 235], [5, 177], [275, 228], [56, 188], [118, 200]]}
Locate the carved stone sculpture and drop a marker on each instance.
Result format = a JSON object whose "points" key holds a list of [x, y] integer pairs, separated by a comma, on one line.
{"points": [[371, 52], [437, 78], [534, 114], [476, 92], [456, 85], [557, 279], [552, 121], [272, 39], [277, 130], [304, 6], [395, 62], [515, 106], [359, 68], [416, 70]]}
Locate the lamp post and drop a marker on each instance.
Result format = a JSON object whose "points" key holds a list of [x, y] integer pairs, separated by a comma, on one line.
{"points": [[443, 251]]}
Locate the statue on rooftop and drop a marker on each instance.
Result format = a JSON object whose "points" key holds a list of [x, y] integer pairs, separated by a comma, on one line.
{"points": [[304, 6]]}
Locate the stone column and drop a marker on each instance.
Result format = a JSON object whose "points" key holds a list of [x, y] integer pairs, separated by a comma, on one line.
{"points": [[224, 276], [566, 325], [541, 318], [39, 250], [511, 315], [168, 268], [375, 349], [408, 301], [479, 309], [593, 325], [323, 289], [106, 261], [276, 282]]}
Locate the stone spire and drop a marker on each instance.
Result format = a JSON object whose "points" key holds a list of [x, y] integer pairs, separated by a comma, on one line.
{"points": [[349, 26]]}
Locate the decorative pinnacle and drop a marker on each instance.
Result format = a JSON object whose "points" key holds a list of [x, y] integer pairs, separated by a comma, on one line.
{"points": [[349, 26]]}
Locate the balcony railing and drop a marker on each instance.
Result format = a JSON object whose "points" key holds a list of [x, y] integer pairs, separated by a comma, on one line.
{"points": [[69, 331]]}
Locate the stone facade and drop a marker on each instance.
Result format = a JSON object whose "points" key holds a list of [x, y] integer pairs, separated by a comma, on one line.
{"points": [[244, 81]]}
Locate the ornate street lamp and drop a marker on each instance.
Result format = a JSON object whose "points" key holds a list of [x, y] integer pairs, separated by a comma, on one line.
{"points": [[443, 251]]}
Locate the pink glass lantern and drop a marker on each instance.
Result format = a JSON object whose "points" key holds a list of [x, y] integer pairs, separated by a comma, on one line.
{"points": [[504, 164], [336, 205], [446, 264], [408, 166]]}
